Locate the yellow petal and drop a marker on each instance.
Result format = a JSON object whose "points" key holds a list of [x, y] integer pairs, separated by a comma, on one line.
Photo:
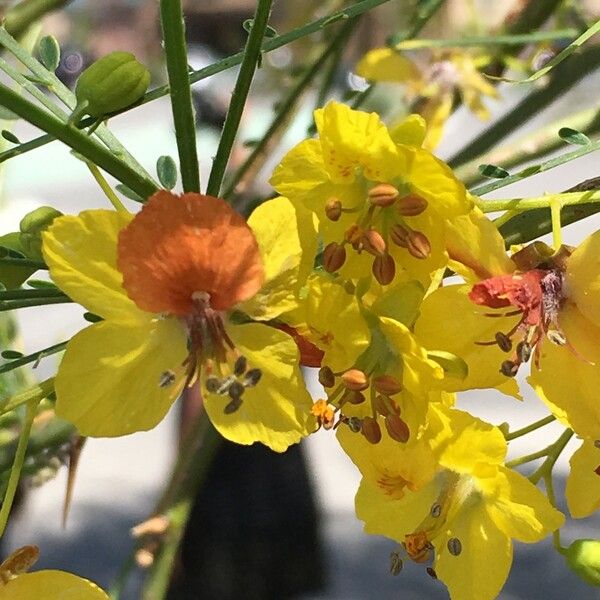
{"points": [[481, 568], [50, 585], [82, 255], [519, 509], [476, 247], [385, 64], [569, 377], [108, 383], [583, 278], [436, 112], [393, 518], [583, 482], [410, 130], [277, 411], [287, 239], [449, 321]]}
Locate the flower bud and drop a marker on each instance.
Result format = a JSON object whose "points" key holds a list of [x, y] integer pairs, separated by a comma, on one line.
{"points": [[326, 377], [399, 235], [384, 269], [355, 379], [397, 428], [383, 194], [411, 205], [371, 430], [388, 385], [334, 256], [32, 226], [583, 557], [110, 84], [333, 209], [418, 245], [373, 242]]}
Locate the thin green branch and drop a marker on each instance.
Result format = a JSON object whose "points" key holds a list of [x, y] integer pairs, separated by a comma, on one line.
{"points": [[513, 435], [32, 358], [553, 454], [23, 262], [78, 140], [105, 187], [252, 54], [521, 204], [517, 462], [489, 40], [222, 65], [14, 304], [544, 166], [45, 292], [288, 105], [35, 393], [62, 92], [25, 13], [173, 27]]}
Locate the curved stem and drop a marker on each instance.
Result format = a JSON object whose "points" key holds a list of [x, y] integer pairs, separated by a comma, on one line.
{"points": [[517, 462], [171, 15], [15, 472], [30, 302], [37, 392], [554, 452], [32, 358], [252, 54], [529, 428], [522, 204], [108, 191]]}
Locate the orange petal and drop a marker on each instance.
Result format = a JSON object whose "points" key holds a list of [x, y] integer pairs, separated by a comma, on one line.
{"points": [[178, 245]]}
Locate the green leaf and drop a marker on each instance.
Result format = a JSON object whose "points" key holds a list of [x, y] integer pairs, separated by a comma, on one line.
{"points": [[572, 136], [10, 137], [11, 354], [529, 171], [91, 317], [129, 193], [7, 115], [166, 170], [40, 284], [493, 172], [49, 51], [10, 252]]}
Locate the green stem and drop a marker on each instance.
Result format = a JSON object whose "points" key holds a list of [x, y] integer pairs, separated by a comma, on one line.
{"points": [[491, 40], [252, 54], [563, 77], [521, 204], [23, 262], [222, 65], [15, 472], [65, 95], [173, 26], [531, 147], [45, 292], [77, 140], [14, 304], [32, 358], [544, 166], [555, 208], [553, 454], [549, 483], [20, 17], [108, 191], [517, 462], [287, 107], [35, 393], [513, 435]]}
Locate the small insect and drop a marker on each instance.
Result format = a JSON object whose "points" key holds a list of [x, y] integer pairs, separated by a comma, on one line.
{"points": [[18, 562]]}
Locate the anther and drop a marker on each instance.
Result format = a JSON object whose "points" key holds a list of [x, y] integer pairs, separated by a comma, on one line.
{"points": [[503, 341], [233, 406], [371, 430], [556, 337], [396, 563], [373, 242], [352, 397], [523, 351], [213, 384], [387, 384], [411, 205], [333, 209], [436, 510], [597, 444], [397, 429], [431, 572], [334, 256], [418, 245], [240, 365], [355, 424], [253, 376], [326, 377], [235, 391], [166, 379], [355, 379], [384, 269], [509, 368], [381, 405], [454, 546], [383, 194], [399, 235]]}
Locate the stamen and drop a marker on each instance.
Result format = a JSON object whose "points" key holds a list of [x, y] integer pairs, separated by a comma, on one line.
{"points": [[556, 337], [384, 269], [454, 546], [240, 366], [253, 376], [334, 257], [397, 428], [503, 341], [523, 351], [166, 379], [371, 430], [326, 377], [436, 510], [431, 572], [396, 563], [509, 368]]}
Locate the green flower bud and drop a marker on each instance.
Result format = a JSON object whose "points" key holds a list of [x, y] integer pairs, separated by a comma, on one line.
{"points": [[583, 557], [32, 226], [110, 84]]}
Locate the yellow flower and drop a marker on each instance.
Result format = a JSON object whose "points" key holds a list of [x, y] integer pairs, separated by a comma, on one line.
{"points": [[583, 483], [435, 85], [381, 205], [17, 584], [466, 515], [167, 283]]}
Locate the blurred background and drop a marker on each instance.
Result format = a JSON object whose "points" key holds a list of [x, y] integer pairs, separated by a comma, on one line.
{"points": [[119, 480]]}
